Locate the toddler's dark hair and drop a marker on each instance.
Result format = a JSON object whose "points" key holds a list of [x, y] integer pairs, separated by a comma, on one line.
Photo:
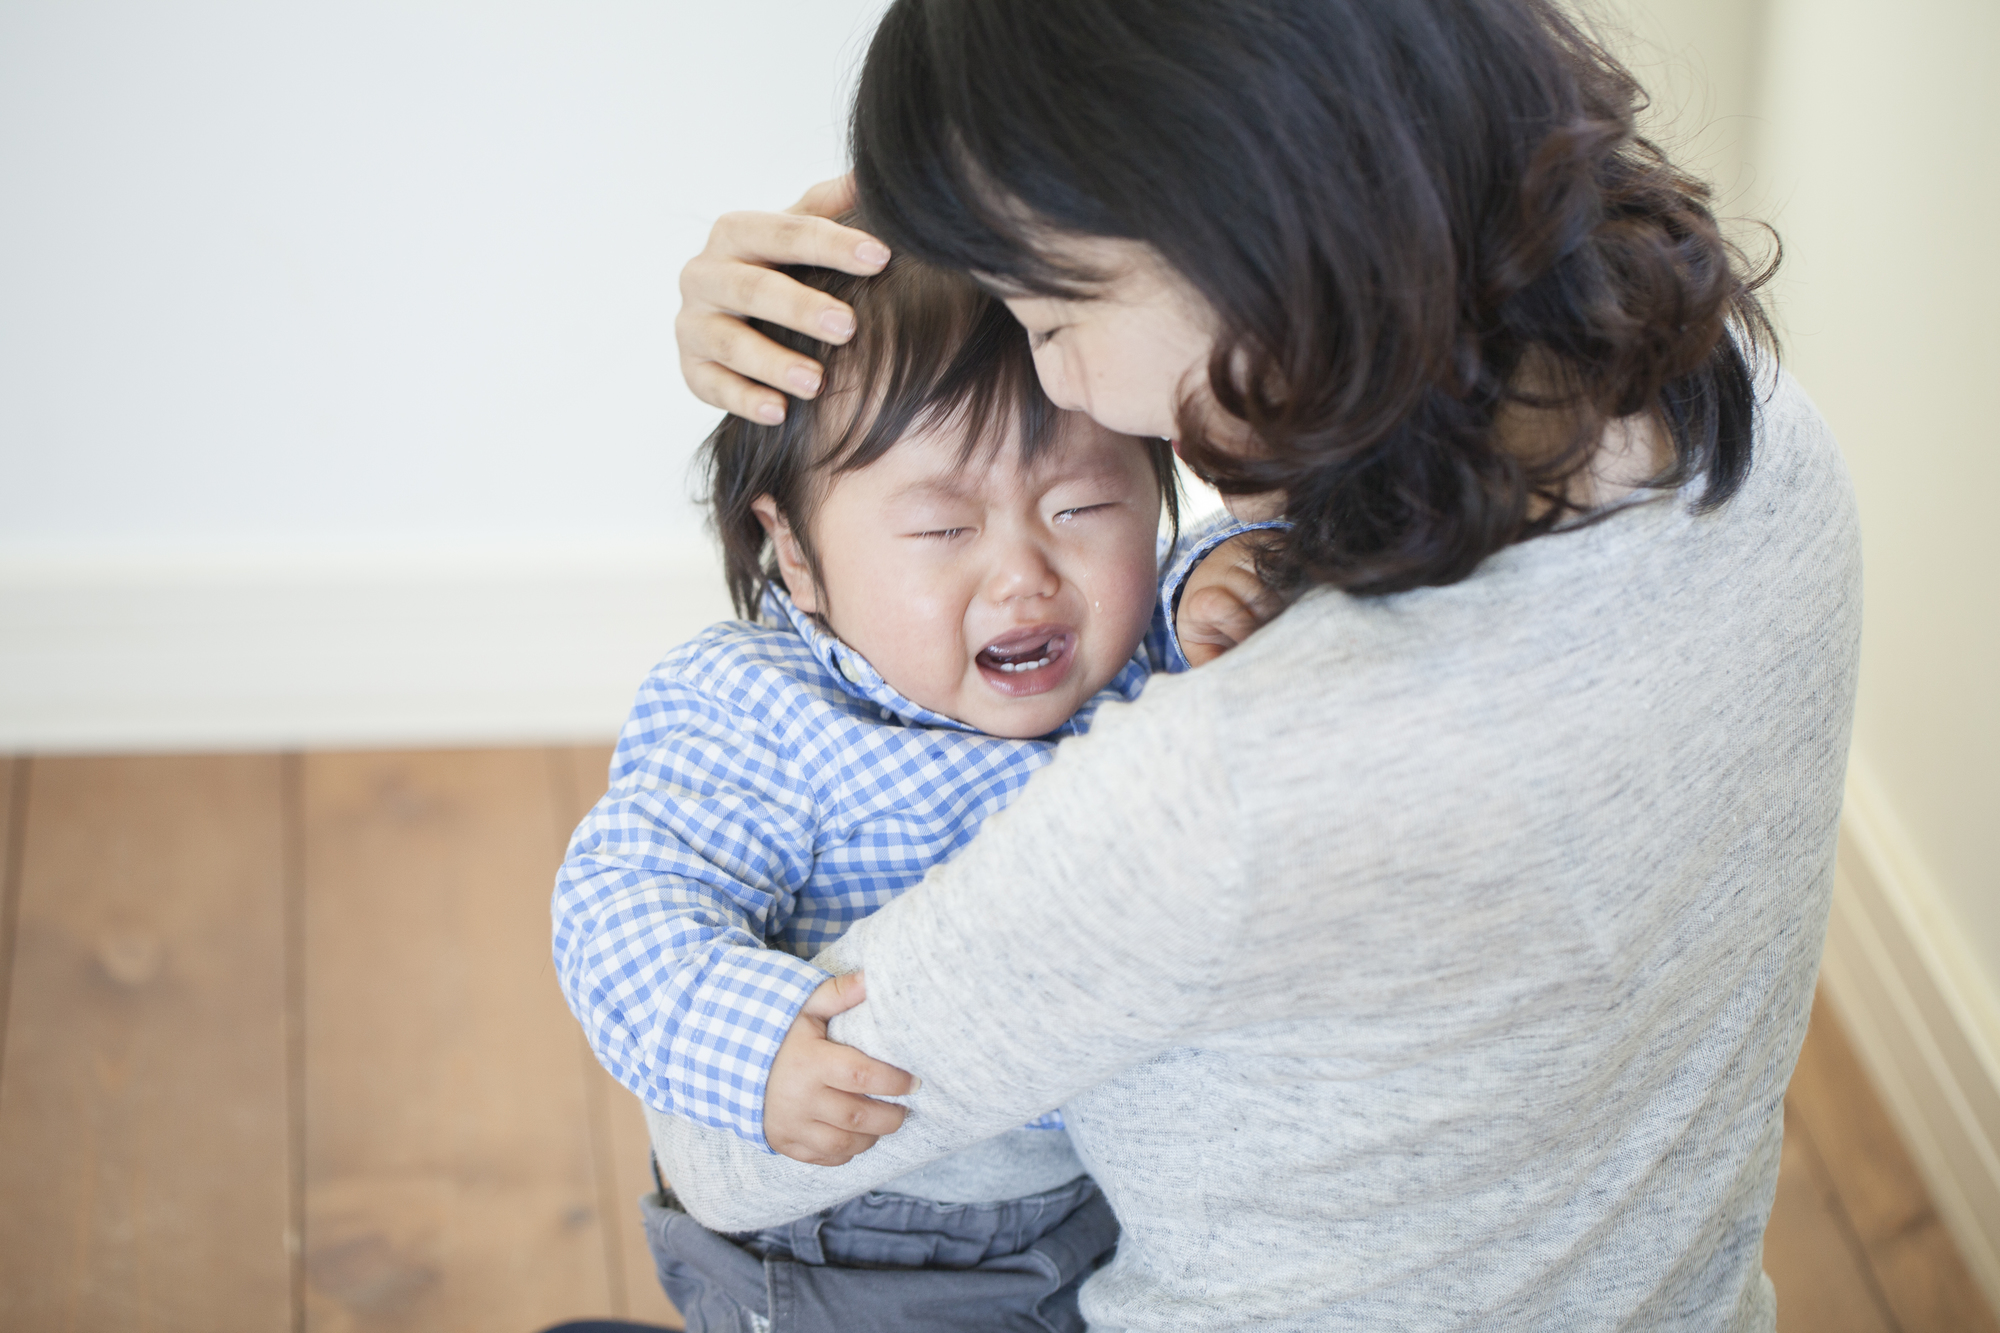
{"points": [[929, 347]]}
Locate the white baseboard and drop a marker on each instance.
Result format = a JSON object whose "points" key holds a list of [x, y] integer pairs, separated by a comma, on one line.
{"points": [[392, 648], [1922, 1018]]}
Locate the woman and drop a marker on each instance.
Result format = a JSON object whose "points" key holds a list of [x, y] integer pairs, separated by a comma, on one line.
{"points": [[1437, 958]]}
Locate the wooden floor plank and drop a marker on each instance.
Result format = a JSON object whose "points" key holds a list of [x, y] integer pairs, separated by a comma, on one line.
{"points": [[449, 1183], [611, 1215], [13, 793], [631, 1158], [465, 1163], [570, 804], [1923, 1281], [142, 1104], [8, 764], [625, 1156], [1813, 1260], [291, 784], [625, 1172]]}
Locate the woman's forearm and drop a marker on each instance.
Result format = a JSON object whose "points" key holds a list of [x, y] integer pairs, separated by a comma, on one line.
{"points": [[1089, 927], [1092, 925]]}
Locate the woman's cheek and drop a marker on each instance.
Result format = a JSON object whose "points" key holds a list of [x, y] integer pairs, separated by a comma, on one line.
{"points": [[1052, 366]]}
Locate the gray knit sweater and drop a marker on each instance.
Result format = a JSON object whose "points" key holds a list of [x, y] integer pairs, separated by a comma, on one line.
{"points": [[1430, 962]]}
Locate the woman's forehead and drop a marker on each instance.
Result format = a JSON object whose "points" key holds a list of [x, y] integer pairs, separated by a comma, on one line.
{"points": [[1097, 268]]}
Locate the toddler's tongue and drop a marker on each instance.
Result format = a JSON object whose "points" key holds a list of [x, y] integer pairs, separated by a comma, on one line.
{"points": [[1020, 656]]}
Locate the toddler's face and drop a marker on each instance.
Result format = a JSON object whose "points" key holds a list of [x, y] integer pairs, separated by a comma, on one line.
{"points": [[1000, 596]]}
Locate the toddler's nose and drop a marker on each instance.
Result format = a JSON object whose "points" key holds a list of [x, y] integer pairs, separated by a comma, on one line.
{"points": [[1023, 570]]}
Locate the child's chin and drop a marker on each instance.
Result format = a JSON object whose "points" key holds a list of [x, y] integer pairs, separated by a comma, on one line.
{"points": [[1025, 722]]}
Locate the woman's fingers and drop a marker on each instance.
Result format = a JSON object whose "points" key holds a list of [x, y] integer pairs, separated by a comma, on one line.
{"points": [[766, 294], [828, 199], [733, 280], [795, 238], [716, 298], [720, 387], [730, 365]]}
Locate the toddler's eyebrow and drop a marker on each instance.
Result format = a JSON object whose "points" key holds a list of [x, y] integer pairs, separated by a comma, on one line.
{"points": [[950, 487], [942, 488]]}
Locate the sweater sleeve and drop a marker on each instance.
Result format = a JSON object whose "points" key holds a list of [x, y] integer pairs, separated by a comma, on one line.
{"points": [[1087, 928]]}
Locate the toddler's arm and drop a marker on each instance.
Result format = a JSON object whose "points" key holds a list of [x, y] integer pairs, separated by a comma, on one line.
{"points": [[672, 886]]}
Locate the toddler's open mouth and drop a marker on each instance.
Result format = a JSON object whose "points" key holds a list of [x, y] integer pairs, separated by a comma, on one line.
{"points": [[1029, 660]]}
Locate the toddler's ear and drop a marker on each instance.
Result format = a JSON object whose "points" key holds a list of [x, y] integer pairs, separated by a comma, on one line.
{"points": [[792, 565]]}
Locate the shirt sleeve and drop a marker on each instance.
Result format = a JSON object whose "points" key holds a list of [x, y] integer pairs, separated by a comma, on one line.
{"points": [[1194, 545], [663, 906], [1075, 937]]}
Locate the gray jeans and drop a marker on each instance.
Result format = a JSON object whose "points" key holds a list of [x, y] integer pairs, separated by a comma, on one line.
{"points": [[889, 1263]]}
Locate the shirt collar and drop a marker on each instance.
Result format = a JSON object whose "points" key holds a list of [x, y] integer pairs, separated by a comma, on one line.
{"points": [[861, 680]]}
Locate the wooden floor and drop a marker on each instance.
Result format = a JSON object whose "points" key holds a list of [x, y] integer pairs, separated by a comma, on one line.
{"points": [[283, 1049]]}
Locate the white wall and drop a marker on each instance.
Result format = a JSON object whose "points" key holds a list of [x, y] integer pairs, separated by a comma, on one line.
{"points": [[1879, 131], [338, 399], [1869, 139], [1700, 63], [1883, 139]]}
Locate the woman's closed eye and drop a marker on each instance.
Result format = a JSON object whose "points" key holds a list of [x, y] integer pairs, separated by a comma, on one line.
{"points": [[1065, 515], [940, 534]]}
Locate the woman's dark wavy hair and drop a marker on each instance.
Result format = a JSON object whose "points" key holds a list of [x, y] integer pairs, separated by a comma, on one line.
{"points": [[930, 348], [1409, 217]]}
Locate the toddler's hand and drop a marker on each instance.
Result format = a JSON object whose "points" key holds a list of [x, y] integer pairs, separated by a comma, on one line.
{"points": [[816, 1107], [1223, 601]]}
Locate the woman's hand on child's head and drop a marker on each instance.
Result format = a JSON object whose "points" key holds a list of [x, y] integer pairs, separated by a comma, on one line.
{"points": [[734, 279], [1223, 601], [819, 1103]]}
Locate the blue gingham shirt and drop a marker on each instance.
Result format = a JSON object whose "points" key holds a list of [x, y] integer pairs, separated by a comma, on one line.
{"points": [[769, 790]]}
